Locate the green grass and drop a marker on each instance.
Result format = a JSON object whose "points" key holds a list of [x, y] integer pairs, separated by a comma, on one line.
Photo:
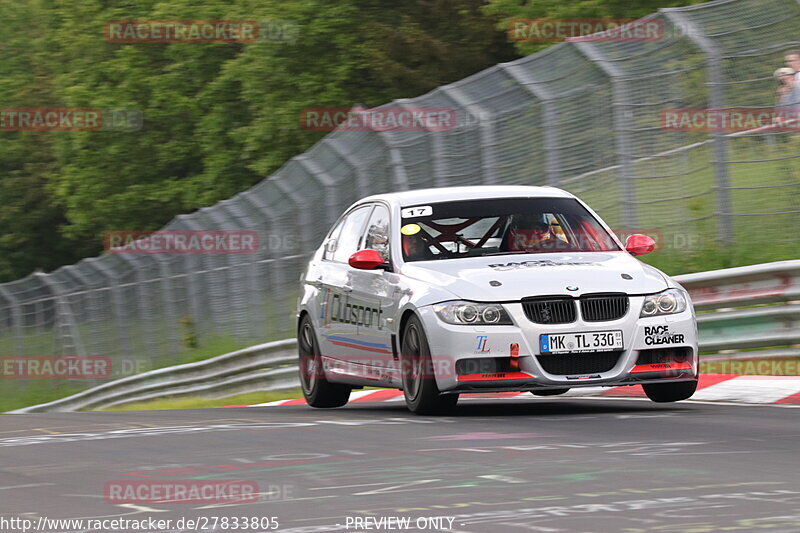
{"points": [[32, 392], [199, 402], [37, 391]]}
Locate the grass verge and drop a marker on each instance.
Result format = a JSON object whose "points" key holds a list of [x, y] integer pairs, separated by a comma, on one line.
{"points": [[34, 392], [200, 402]]}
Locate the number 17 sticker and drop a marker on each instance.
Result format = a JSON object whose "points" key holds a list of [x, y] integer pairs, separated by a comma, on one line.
{"points": [[420, 211]]}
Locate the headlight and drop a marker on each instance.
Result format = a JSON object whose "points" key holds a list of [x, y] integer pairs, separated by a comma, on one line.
{"points": [[669, 302], [472, 314]]}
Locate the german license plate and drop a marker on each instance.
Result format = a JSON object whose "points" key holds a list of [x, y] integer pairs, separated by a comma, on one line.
{"points": [[590, 341]]}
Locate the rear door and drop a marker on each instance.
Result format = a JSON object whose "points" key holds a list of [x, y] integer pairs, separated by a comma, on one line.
{"points": [[338, 327]]}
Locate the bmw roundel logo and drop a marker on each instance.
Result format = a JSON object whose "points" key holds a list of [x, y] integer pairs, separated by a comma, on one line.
{"points": [[572, 288]]}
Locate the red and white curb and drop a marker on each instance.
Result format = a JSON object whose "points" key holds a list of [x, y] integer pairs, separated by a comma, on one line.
{"points": [[783, 390]]}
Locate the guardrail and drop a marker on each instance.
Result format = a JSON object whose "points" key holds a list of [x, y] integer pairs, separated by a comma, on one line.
{"points": [[727, 319], [263, 367], [716, 295]]}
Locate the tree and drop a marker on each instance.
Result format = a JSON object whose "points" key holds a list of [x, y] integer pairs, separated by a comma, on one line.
{"points": [[218, 117], [510, 10]]}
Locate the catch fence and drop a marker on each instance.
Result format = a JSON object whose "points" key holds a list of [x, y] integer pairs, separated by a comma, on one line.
{"points": [[585, 115]]}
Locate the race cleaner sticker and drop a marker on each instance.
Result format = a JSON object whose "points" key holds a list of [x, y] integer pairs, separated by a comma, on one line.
{"points": [[656, 335]]}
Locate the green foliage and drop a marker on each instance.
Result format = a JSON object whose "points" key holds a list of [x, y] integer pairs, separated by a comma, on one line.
{"points": [[218, 117], [510, 10]]}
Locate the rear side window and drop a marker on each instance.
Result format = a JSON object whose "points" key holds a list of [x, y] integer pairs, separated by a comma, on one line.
{"points": [[349, 237], [330, 243]]}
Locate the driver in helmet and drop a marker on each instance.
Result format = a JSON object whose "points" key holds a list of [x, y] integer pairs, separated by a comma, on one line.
{"points": [[533, 233], [415, 248]]}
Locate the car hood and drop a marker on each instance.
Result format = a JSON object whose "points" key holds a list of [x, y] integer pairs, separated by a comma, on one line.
{"points": [[512, 277]]}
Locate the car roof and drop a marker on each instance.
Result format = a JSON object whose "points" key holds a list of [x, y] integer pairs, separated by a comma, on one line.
{"points": [[477, 192]]}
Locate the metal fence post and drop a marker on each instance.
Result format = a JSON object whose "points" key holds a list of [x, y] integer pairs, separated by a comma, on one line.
{"points": [[276, 268], [398, 170], [234, 210], [311, 167], [142, 300], [485, 128], [305, 215], [168, 295], [716, 100], [523, 78], [258, 315], [16, 315], [439, 167], [399, 175], [362, 180], [64, 317], [233, 292], [195, 292], [116, 301], [622, 124]]}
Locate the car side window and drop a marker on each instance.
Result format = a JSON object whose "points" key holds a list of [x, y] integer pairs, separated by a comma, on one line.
{"points": [[330, 242], [377, 235], [349, 238]]}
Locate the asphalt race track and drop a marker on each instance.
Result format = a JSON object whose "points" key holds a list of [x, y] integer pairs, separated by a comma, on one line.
{"points": [[548, 465]]}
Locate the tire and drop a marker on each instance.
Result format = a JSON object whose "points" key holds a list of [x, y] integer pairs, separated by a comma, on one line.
{"points": [[318, 391], [549, 392], [670, 392], [419, 382]]}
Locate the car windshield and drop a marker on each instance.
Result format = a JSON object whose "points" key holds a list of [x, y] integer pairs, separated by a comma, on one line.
{"points": [[471, 228]]}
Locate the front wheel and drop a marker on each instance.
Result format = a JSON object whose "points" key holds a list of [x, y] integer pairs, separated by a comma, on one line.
{"points": [[670, 392], [318, 391], [419, 381]]}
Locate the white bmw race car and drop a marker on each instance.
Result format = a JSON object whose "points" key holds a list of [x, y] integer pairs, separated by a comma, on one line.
{"points": [[488, 289]]}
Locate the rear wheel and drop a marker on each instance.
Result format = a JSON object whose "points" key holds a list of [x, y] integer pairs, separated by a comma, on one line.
{"points": [[670, 392], [318, 391], [419, 381]]}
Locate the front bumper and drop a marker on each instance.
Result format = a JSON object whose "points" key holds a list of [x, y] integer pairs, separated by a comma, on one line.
{"points": [[459, 352]]}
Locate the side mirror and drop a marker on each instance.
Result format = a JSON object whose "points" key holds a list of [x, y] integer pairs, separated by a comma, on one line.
{"points": [[638, 244], [366, 260]]}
